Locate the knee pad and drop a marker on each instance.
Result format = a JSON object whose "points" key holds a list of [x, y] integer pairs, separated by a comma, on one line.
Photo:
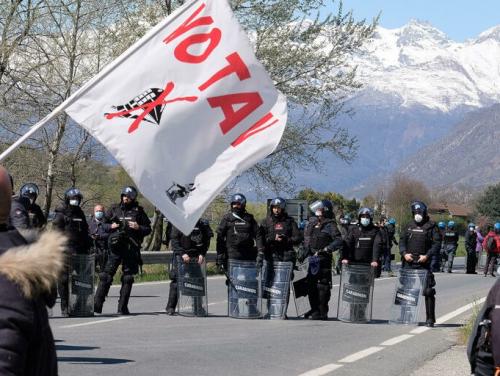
{"points": [[127, 279], [322, 287], [429, 292], [105, 278]]}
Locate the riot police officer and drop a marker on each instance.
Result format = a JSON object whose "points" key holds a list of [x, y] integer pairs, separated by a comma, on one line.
{"points": [[130, 224], [321, 238], [364, 242], [363, 246], [71, 221], [344, 227], [418, 242], [19, 217], [99, 230], [470, 248], [36, 218], [184, 248], [450, 244], [438, 260], [238, 234], [280, 233], [391, 232]]}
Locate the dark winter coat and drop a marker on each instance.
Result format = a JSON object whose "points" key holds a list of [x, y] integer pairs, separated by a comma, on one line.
{"points": [[26, 278]]}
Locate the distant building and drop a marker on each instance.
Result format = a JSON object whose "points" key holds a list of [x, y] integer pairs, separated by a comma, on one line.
{"points": [[450, 210]]}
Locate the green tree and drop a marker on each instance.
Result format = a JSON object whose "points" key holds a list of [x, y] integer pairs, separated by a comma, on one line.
{"points": [[488, 203]]}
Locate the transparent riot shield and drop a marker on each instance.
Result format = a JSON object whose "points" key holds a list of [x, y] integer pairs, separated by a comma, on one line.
{"points": [[192, 285], [408, 296], [482, 257], [356, 293], [276, 288], [81, 285], [244, 290], [300, 289]]}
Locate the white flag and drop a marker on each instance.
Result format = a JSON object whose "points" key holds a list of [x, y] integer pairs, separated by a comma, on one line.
{"points": [[185, 110]]}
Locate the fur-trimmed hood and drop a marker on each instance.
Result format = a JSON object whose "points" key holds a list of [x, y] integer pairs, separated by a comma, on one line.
{"points": [[35, 267]]}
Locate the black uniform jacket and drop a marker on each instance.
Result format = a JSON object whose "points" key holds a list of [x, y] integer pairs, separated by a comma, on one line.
{"points": [[420, 239], [120, 213], [194, 244], [71, 221], [363, 244], [322, 236], [283, 226], [238, 236]]}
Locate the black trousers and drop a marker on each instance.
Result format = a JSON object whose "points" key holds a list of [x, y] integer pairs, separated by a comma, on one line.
{"points": [[130, 267], [490, 261]]}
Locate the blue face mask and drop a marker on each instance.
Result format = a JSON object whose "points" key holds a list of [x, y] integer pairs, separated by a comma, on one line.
{"points": [[99, 215]]}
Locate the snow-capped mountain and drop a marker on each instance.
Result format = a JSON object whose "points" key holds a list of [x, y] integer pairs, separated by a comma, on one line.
{"points": [[419, 65], [417, 84]]}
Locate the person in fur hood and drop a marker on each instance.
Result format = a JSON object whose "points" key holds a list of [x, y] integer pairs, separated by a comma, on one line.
{"points": [[28, 273]]}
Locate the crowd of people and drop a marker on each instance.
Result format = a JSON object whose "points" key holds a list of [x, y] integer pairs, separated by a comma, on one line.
{"points": [[114, 236]]}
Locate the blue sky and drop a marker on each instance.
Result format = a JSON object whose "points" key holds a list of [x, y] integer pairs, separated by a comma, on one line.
{"points": [[459, 19]]}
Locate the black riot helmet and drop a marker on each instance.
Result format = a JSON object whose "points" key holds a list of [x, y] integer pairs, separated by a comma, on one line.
{"points": [[30, 191], [278, 202], [130, 192], [365, 211], [345, 219], [418, 207], [325, 206], [239, 198], [73, 194]]}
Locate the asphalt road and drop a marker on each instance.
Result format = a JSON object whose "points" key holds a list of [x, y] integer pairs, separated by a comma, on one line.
{"points": [[148, 342]]}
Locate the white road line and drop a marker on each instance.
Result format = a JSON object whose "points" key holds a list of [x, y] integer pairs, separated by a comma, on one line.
{"points": [[420, 330], [322, 370], [390, 342], [396, 340], [214, 303], [361, 354], [94, 322], [459, 311]]}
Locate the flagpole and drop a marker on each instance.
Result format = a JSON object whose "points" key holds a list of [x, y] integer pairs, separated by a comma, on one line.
{"points": [[97, 78]]}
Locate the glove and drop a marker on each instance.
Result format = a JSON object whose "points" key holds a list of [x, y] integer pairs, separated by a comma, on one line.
{"points": [[497, 371], [260, 260]]}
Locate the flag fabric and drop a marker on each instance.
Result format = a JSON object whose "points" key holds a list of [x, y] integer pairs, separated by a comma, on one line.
{"points": [[188, 109]]}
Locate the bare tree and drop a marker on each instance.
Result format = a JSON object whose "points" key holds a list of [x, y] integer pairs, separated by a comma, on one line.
{"points": [[403, 191]]}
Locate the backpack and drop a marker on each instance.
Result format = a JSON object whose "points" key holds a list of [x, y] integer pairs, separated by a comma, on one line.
{"points": [[491, 244]]}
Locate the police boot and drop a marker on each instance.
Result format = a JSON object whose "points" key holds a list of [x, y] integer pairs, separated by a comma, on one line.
{"points": [[105, 281], [172, 298], [125, 291], [63, 289], [324, 298], [430, 313]]}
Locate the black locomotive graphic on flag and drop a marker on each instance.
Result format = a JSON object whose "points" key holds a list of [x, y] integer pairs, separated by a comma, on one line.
{"points": [[147, 106]]}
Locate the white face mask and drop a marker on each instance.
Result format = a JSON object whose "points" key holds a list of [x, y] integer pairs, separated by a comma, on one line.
{"points": [[418, 218], [365, 221], [74, 202], [318, 213]]}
